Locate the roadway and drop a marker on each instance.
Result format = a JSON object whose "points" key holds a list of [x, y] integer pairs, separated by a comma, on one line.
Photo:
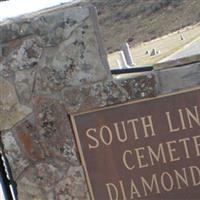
{"points": [[190, 49]]}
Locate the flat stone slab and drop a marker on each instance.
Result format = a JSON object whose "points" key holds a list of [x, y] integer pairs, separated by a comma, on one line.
{"points": [[11, 111], [174, 79]]}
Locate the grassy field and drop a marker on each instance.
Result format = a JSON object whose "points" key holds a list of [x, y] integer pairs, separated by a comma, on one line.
{"points": [[167, 45], [137, 21]]}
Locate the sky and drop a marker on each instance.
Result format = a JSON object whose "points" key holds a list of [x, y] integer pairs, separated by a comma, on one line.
{"points": [[13, 8]]}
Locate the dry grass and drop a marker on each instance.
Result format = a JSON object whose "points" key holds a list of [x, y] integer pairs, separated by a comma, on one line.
{"points": [[138, 21], [167, 45]]}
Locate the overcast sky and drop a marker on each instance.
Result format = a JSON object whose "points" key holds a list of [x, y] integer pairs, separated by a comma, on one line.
{"points": [[14, 8]]}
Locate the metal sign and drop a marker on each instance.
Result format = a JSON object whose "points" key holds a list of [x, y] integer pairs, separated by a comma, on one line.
{"points": [[148, 149]]}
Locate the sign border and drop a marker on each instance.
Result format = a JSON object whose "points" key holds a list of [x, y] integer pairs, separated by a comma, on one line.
{"points": [[82, 157], [75, 130]]}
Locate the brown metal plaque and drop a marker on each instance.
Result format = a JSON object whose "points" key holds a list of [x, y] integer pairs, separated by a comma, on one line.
{"points": [[148, 149]]}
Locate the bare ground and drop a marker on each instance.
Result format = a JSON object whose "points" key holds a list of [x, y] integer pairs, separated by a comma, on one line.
{"points": [[137, 21]]}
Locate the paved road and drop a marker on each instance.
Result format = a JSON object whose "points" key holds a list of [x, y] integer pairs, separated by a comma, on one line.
{"points": [[192, 48]]}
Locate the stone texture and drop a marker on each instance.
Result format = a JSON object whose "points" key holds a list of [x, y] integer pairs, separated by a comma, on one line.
{"points": [[141, 86], [11, 111], [27, 136], [24, 84], [59, 26], [53, 125], [25, 56], [43, 175], [50, 196], [29, 190], [70, 152], [72, 186], [13, 29], [175, 79], [47, 175], [70, 64], [52, 63], [16, 158], [97, 95]]}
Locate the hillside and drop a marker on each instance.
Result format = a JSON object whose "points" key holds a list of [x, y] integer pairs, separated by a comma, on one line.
{"points": [[136, 21]]}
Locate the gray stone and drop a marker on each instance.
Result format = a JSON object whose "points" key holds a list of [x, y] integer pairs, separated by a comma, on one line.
{"points": [[174, 79], [25, 56], [24, 84], [57, 27], [16, 158], [11, 111], [141, 86], [14, 28], [52, 63], [70, 152], [29, 191], [50, 196], [72, 64], [47, 175], [53, 128], [72, 186], [99, 94], [43, 176]]}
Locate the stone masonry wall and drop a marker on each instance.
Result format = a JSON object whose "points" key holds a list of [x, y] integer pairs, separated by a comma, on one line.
{"points": [[52, 63]]}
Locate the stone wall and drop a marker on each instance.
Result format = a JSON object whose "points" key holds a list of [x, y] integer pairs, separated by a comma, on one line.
{"points": [[52, 63]]}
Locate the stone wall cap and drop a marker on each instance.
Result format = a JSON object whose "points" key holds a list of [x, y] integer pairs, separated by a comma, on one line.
{"points": [[177, 63]]}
